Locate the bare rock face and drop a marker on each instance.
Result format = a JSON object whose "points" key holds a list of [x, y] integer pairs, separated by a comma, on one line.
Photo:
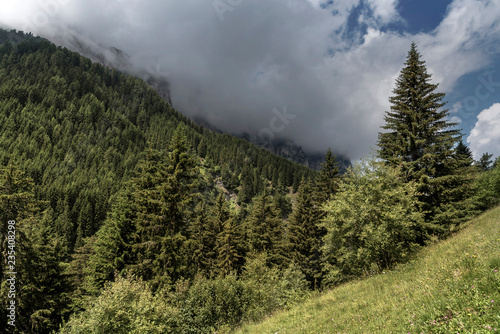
{"points": [[288, 149], [162, 86]]}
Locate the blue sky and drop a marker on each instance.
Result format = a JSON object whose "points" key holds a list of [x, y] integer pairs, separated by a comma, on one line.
{"points": [[317, 72], [422, 15]]}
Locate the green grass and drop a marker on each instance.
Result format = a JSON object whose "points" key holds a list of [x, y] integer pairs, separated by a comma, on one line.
{"points": [[451, 287]]}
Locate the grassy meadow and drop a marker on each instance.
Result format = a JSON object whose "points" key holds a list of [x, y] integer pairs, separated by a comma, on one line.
{"points": [[450, 287]]}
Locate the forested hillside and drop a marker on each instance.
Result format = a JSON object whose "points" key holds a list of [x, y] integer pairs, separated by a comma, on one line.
{"points": [[80, 141], [119, 214], [78, 129]]}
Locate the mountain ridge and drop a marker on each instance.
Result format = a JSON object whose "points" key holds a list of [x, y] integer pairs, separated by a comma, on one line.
{"points": [[115, 58]]}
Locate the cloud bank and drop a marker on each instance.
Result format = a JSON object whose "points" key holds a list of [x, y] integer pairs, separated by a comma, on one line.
{"points": [[233, 62], [485, 136]]}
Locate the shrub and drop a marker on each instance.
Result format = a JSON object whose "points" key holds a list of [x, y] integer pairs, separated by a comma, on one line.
{"points": [[124, 306], [210, 304], [371, 223]]}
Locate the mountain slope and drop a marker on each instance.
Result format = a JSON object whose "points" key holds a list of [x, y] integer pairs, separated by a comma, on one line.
{"points": [[451, 287], [115, 58], [79, 130]]}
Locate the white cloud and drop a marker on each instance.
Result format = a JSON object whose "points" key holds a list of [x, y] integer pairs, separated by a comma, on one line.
{"points": [[458, 45], [385, 11], [455, 119], [485, 136]]}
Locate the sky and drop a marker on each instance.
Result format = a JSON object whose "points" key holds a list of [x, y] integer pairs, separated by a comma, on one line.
{"points": [[317, 72]]}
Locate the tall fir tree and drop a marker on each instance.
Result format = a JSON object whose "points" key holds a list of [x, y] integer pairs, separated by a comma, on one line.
{"points": [[227, 241], [464, 154], [219, 215], [328, 178], [246, 193], [200, 242], [419, 138], [111, 245], [485, 161], [31, 250], [305, 235], [163, 201], [265, 230]]}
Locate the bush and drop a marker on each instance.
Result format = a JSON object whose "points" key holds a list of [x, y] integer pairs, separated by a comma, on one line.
{"points": [[124, 306], [211, 304], [371, 223], [223, 303], [488, 188], [268, 289]]}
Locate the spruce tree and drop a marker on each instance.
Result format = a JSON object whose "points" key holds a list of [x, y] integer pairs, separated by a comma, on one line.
{"points": [[328, 178], [111, 245], [419, 138], [200, 243], [304, 234], [464, 154], [227, 248], [219, 215], [485, 161], [35, 253], [246, 193], [163, 198], [265, 230]]}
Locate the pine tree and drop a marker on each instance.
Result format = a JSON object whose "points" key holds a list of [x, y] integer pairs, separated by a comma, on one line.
{"points": [[227, 248], [421, 140], [265, 230], [246, 193], [459, 188], [111, 246], [328, 178], [202, 148], [464, 154], [485, 161], [163, 202], [305, 235], [37, 254], [200, 242]]}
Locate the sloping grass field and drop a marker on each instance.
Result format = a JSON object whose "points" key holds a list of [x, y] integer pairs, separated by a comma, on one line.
{"points": [[451, 287]]}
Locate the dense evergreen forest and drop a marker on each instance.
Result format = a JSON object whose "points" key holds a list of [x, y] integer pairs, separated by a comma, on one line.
{"points": [[130, 218]]}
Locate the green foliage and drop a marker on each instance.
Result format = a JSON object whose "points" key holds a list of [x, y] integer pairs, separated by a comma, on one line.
{"points": [[268, 289], [125, 306], [485, 162], [488, 188], [265, 230], [221, 304], [37, 255], [211, 304], [328, 177], [372, 223], [451, 287], [305, 234]]}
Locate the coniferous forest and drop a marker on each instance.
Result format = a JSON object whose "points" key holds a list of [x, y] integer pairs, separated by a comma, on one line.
{"points": [[130, 218]]}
